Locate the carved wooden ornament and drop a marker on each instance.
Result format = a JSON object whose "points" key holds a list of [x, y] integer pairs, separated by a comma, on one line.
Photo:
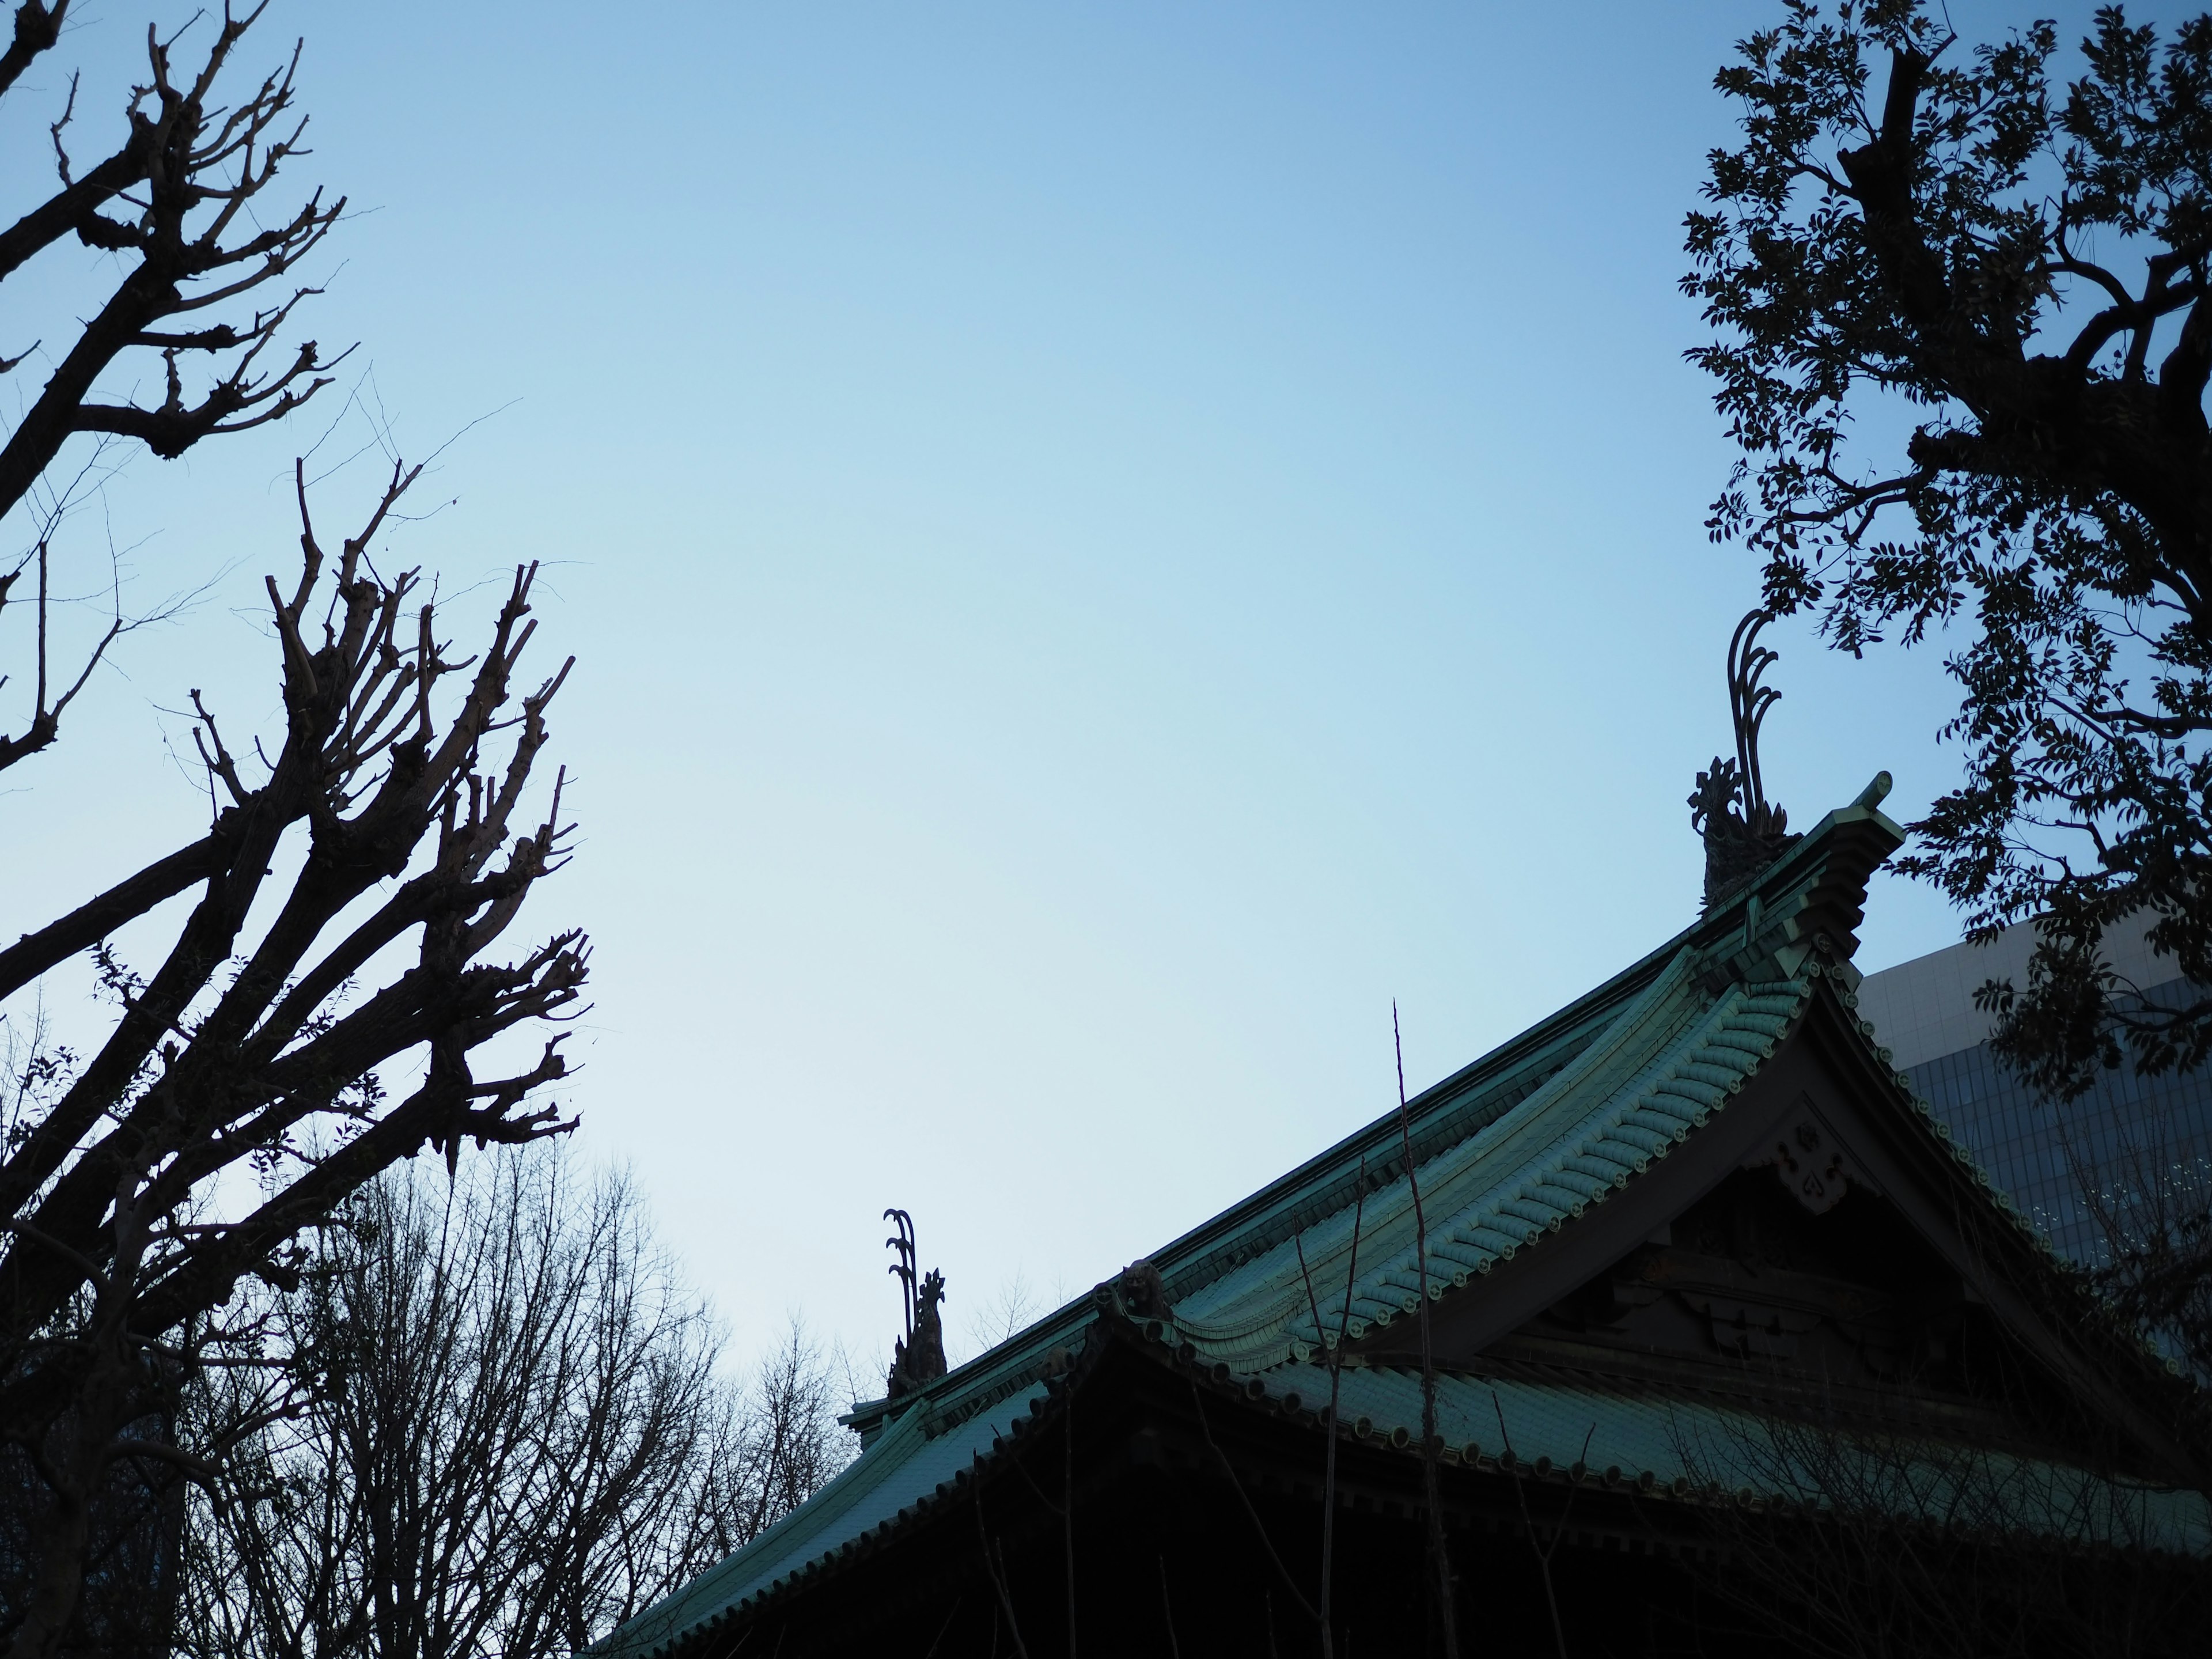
{"points": [[1809, 1161]]}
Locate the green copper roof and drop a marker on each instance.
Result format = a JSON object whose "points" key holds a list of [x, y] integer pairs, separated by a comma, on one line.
{"points": [[1695, 1450], [1524, 1142]]}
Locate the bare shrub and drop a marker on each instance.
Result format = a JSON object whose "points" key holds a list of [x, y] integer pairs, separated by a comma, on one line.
{"points": [[517, 1434]]}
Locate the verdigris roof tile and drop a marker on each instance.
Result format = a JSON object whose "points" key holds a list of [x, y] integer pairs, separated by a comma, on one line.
{"points": [[1686, 1448]]}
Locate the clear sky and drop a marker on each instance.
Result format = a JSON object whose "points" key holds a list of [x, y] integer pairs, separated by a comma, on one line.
{"points": [[1104, 543]]}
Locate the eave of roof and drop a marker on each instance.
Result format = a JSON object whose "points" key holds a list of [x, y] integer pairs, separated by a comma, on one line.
{"points": [[914, 1459], [1690, 1452], [1700, 1450]]}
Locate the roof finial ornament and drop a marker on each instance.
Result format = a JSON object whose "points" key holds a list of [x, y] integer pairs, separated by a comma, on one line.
{"points": [[919, 1356], [903, 1269], [1743, 831]]}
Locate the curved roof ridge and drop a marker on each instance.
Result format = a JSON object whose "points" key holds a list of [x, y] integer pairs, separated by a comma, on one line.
{"points": [[1658, 1071], [1387, 1205]]}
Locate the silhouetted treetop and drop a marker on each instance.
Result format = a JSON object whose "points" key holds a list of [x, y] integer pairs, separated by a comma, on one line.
{"points": [[1963, 319]]}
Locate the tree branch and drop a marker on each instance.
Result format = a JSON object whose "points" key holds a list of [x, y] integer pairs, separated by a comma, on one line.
{"points": [[37, 28]]}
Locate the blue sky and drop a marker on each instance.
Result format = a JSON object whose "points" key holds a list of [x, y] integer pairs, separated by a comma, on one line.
{"points": [[1104, 543]]}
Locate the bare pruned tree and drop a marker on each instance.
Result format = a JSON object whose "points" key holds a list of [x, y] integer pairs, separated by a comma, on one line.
{"points": [[206, 286], [524, 1438], [296, 1037]]}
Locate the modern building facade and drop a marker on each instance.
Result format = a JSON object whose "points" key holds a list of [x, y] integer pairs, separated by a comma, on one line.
{"points": [[2063, 1164]]}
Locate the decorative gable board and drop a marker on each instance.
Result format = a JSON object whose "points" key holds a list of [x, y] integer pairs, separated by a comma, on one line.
{"points": [[1816, 1244]]}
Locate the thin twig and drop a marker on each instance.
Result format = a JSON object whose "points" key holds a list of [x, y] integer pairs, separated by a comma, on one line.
{"points": [[1258, 1526], [941, 1629], [1332, 1360], [1543, 1555], [1430, 1495], [991, 1570], [1068, 1506]]}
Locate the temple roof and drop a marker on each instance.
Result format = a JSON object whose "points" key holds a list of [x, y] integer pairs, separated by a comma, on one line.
{"points": [[1530, 1143]]}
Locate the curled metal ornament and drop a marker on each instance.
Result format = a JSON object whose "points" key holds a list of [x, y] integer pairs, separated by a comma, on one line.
{"points": [[1748, 702], [903, 1269], [1744, 832]]}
